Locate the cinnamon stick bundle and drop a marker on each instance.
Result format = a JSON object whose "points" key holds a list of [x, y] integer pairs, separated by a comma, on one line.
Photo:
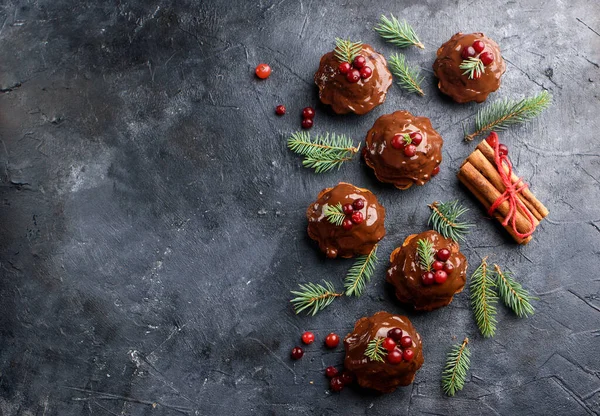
{"points": [[480, 175]]}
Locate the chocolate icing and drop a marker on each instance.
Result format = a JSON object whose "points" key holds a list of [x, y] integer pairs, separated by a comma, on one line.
{"points": [[405, 273], [458, 86], [335, 240], [391, 165], [384, 377], [360, 97]]}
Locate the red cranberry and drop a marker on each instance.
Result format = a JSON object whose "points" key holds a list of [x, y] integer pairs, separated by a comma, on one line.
{"points": [[280, 110], [332, 340], [440, 277], [347, 377], [410, 150], [359, 62], [406, 341], [468, 52], [308, 112], [395, 356], [307, 123], [408, 354], [366, 72], [435, 170], [398, 141], [443, 254], [428, 278], [492, 139], [344, 68], [476, 75], [358, 204], [308, 337], [395, 334], [348, 209], [503, 149], [353, 76], [416, 137], [331, 371], [263, 71], [297, 353], [389, 344], [448, 267], [336, 384], [478, 46], [357, 217], [437, 265], [487, 58], [347, 224]]}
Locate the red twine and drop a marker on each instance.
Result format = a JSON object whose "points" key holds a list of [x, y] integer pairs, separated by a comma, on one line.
{"points": [[511, 192]]}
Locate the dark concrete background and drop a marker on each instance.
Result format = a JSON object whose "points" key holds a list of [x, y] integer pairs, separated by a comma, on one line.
{"points": [[152, 221]]}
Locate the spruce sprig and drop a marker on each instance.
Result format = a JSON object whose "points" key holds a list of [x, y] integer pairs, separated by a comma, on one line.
{"points": [[512, 294], [375, 350], [483, 299], [398, 33], [473, 67], [504, 113], [445, 219], [335, 214], [346, 50], [314, 297], [360, 273], [409, 77], [457, 365], [324, 153], [425, 254]]}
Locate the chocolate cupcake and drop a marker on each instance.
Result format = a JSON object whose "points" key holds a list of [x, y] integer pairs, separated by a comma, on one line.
{"points": [[386, 370], [346, 221], [427, 271], [469, 67], [403, 149], [357, 86]]}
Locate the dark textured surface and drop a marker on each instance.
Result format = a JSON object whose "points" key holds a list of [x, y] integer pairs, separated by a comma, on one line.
{"points": [[152, 221]]}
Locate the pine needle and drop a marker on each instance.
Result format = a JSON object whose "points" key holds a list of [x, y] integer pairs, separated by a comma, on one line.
{"points": [[425, 254], [324, 153], [483, 299], [512, 294], [360, 273], [502, 114], [314, 297], [398, 33], [375, 350], [445, 219], [457, 365], [346, 50], [473, 67], [409, 77], [335, 214]]}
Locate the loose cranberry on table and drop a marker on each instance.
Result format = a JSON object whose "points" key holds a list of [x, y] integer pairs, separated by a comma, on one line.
{"points": [[398, 141], [332, 340], [347, 377], [357, 217], [262, 71], [366, 72], [408, 354], [503, 150], [280, 110], [358, 204], [428, 278], [406, 341], [344, 68], [486, 58], [478, 46], [435, 171], [347, 224], [395, 356], [308, 112], [410, 150], [353, 76], [307, 123], [336, 384], [440, 277], [359, 62], [348, 209], [297, 353], [437, 265], [308, 337], [416, 138], [443, 254], [468, 52], [395, 334], [389, 344], [331, 371]]}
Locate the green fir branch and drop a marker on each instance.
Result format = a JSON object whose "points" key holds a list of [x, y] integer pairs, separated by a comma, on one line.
{"points": [[502, 114], [409, 77], [314, 297], [398, 33], [473, 67], [334, 214], [425, 253], [360, 273], [483, 299], [445, 219], [512, 294], [324, 153], [457, 365], [346, 50], [375, 350]]}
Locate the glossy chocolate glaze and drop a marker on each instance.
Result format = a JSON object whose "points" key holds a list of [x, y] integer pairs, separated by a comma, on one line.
{"points": [[384, 377], [334, 240], [391, 165], [458, 86], [360, 97], [405, 273]]}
